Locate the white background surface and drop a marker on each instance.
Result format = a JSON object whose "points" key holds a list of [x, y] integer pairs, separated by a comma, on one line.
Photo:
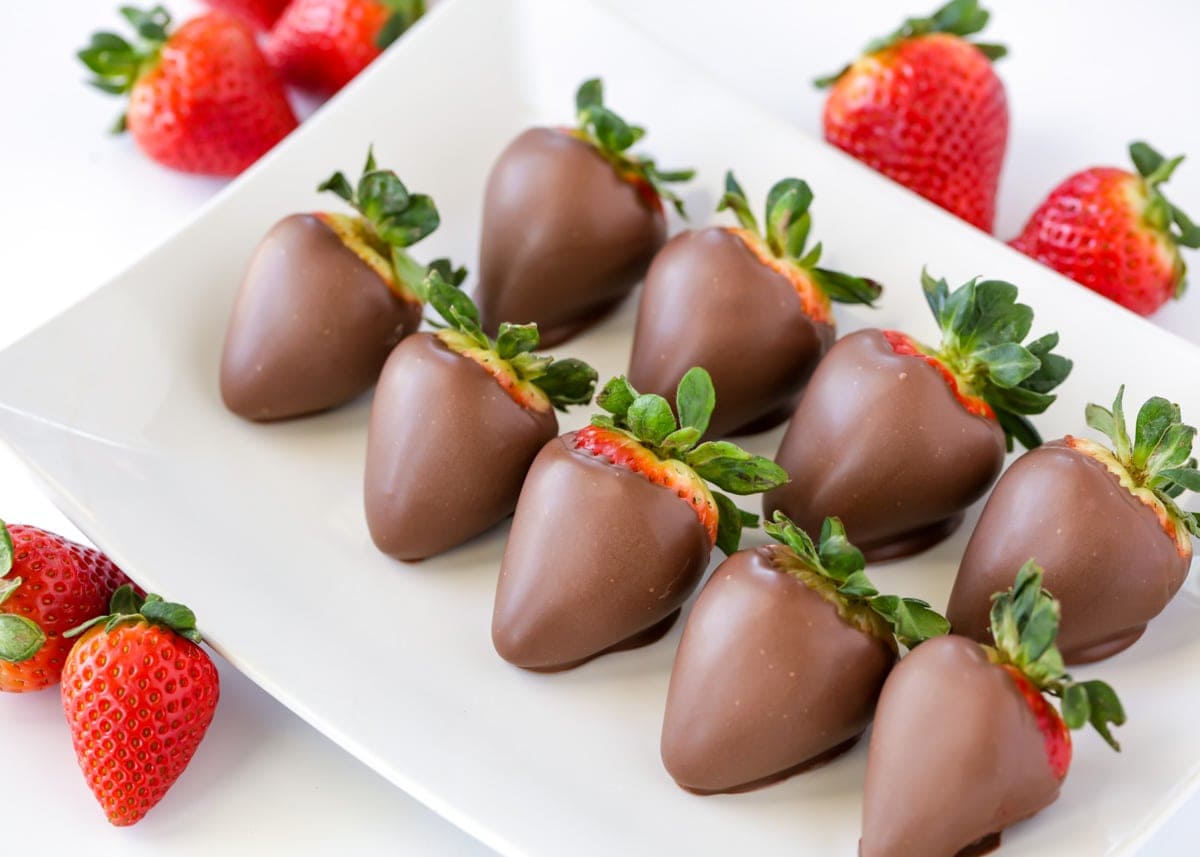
{"points": [[81, 206]]}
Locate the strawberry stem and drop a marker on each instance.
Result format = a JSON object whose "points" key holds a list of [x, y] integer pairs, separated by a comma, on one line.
{"points": [[127, 606], [117, 63]]}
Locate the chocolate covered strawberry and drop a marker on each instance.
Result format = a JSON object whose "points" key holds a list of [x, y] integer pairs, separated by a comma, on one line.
{"points": [[965, 742], [325, 299], [615, 525], [924, 107], [456, 422], [571, 219], [782, 661], [897, 438], [1103, 522], [753, 309], [1115, 232]]}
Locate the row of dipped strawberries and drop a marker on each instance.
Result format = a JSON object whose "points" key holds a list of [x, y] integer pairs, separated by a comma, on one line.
{"points": [[890, 440]]}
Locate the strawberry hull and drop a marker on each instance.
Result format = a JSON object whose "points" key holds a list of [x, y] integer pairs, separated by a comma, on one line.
{"points": [[880, 440], [598, 556], [708, 301], [312, 326], [769, 679], [565, 238], [447, 450], [956, 755], [1106, 556]]}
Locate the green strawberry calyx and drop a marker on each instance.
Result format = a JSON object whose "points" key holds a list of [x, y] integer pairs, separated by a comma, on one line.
{"points": [[834, 568], [983, 328], [1157, 465], [612, 137], [508, 357], [116, 62], [1159, 213], [127, 606], [404, 13], [390, 219], [788, 222], [648, 419], [1025, 622], [20, 637], [957, 18]]}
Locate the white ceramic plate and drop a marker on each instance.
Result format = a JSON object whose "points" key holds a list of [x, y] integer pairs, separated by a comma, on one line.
{"points": [[260, 529]]}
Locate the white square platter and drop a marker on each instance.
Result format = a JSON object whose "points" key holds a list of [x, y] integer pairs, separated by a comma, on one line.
{"points": [[260, 528]]}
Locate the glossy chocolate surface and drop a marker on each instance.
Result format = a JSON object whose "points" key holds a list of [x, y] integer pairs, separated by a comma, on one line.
{"points": [[564, 237], [955, 755], [1106, 557], [880, 441], [768, 678], [447, 450], [708, 301], [597, 554], [312, 326]]}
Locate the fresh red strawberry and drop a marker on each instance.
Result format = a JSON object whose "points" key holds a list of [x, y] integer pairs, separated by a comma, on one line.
{"points": [[971, 728], [322, 45], [924, 107], [325, 299], [755, 311], [794, 628], [139, 694], [1114, 232], [427, 491], [897, 438], [48, 585], [571, 220], [202, 99], [260, 14], [615, 524], [1104, 523]]}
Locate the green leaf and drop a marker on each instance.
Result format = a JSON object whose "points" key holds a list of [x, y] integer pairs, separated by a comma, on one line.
{"points": [[1145, 158], [782, 529], [650, 418], [913, 621], [174, 616], [695, 398], [735, 200], [446, 270], [568, 382], [1076, 707], [858, 585], [616, 397], [1008, 364], [405, 13], [20, 638], [680, 441], [452, 304], [589, 94], [340, 185], [797, 236], [712, 449], [7, 550], [1104, 708], [381, 194], [740, 475], [991, 50], [1188, 478], [787, 201], [1154, 418], [9, 585], [840, 558], [937, 292], [124, 601], [514, 339], [847, 289], [729, 524], [405, 228]]}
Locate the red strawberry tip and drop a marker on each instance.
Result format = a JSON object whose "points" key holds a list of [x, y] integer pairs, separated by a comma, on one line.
{"points": [[835, 569], [648, 421], [1024, 625], [783, 247], [533, 380], [983, 328], [612, 136], [405, 13], [127, 605], [960, 18]]}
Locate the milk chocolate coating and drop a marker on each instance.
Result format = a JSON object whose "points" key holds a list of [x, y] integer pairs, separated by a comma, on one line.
{"points": [[564, 237], [768, 677], [447, 450], [955, 755], [312, 326], [708, 301], [596, 555], [880, 441], [1107, 559]]}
